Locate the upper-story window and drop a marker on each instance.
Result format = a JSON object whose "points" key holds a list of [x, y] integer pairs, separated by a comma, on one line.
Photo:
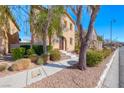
{"points": [[71, 27]]}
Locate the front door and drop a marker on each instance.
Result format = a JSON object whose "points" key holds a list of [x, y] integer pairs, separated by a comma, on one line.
{"points": [[62, 43]]}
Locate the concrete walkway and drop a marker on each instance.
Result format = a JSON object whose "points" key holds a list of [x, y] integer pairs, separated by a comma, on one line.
{"points": [[28, 77]]}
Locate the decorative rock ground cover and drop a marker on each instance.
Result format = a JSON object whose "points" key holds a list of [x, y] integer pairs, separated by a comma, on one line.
{"points": [[73, 78], [32, 65]]}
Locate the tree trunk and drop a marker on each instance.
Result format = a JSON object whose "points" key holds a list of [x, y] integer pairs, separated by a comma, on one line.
{"points": [[50, 40], [82, 56], [46, 31], [32, 40], [85, 41], [31, 26], [45, 42]]}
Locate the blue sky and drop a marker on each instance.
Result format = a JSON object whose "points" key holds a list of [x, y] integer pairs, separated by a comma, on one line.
{"points": [[102, 23]]}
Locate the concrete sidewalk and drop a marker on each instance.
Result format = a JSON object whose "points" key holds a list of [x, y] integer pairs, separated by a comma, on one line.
{"points": [[27, 77]]}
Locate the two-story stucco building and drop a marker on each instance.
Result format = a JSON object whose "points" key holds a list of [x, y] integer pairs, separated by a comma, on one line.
{"points": [[9, 37], [67, 40], [95, 43]]}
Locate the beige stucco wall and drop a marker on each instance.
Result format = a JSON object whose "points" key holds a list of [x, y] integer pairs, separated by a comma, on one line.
{"points": [[11, 37], [67, 34], [1, 42], [55, 42], [13, 28]]}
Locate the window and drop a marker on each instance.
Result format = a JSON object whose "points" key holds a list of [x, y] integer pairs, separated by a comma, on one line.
{"points": [[65, 23], [71, 27], [71, 41]]}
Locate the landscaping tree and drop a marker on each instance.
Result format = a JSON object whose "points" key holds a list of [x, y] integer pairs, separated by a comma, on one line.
{"points": [[31, 26], [48, 23], [77, 10]]}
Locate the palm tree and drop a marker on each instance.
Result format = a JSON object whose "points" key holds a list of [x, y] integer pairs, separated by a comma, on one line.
{"points": [[48, 23], [84, 39]]}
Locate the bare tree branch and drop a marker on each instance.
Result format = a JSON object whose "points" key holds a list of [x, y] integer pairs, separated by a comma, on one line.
{"points": [[73, 9]]}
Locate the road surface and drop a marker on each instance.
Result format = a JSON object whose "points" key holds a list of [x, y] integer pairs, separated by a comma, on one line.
{"points": [[121, 67]]}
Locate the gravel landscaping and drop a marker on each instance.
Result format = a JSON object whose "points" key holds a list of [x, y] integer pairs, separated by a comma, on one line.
{"points": [[73, 78], [9, 62]]}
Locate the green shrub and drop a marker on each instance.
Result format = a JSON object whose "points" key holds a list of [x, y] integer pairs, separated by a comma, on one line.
{"points": [[18, 53], [94, 58], [55, 55], [30, 52], [33, 57], [26, 48], [77, 49], [3, 67], [40, 61], [38, 49], [49, 48]]}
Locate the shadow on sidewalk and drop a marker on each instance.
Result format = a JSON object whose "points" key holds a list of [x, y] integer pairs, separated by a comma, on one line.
{"points": [[67, 65]]}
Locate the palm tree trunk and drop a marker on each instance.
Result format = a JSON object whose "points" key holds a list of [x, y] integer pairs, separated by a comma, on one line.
{"points": [[46, 31], [50, 40], [32, 40], [45, 42]]}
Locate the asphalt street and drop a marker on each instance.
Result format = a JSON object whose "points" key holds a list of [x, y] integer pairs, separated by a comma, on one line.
{"points": [[121, 67]]}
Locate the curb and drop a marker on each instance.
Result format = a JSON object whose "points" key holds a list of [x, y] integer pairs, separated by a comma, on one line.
{"points": [[108, 65]]}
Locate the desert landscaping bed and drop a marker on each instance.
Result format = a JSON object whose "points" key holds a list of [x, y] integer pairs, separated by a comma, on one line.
{"points": [[33, 65], [73, 78], [7, 72]]}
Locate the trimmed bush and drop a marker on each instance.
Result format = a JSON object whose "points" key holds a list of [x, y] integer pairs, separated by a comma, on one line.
{"points": [[49, 48], [33, 57], [30, 52], [38, 49], [18, 53], [21, 64], [3, 67], [26, 48], [94, 58], [40, 61], [55, 55], [77, 49]]}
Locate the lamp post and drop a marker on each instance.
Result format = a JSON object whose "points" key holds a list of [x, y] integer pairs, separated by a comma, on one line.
{"points": [[111, 25]]}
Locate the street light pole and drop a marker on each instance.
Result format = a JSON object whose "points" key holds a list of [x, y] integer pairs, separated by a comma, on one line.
{"points": [[111, 34], [111, 24]]}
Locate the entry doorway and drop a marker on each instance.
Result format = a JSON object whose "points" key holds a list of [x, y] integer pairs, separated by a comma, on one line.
{"points": [[63, 43]]}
